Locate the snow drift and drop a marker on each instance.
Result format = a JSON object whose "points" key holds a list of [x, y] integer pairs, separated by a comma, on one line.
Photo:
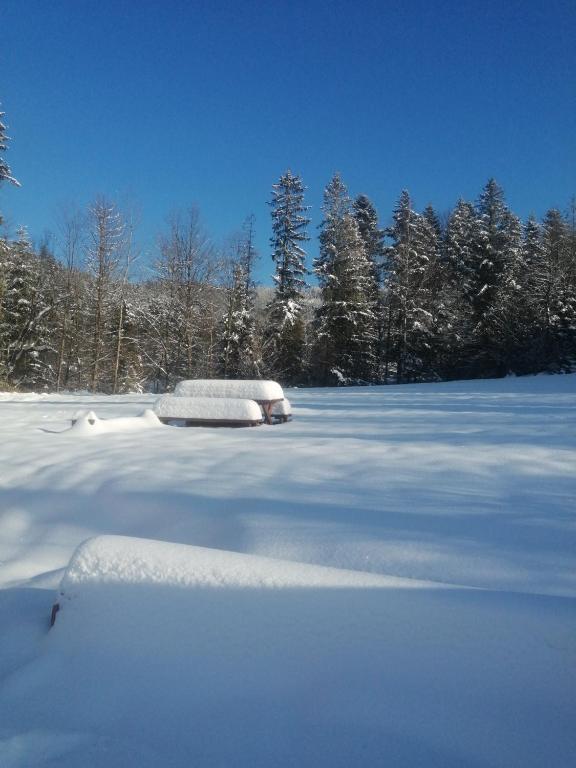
{"points": [[209, 658], [169, 656], [87, 423]]}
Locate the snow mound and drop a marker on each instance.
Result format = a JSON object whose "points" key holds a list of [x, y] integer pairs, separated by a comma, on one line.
{"points": [[207, 657], [129, 560], [252, 389], [87, 423], [207, 409]]}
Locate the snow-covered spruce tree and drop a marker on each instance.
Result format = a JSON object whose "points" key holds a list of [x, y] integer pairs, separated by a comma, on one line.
{"points": [[412, 261], [463, 252], [5, 172], [346, 323], [285, 338], [4, 262], [531, 355], [24, 333], [373, 238], [553, 293], [506, 321], [239, 348], [5, 175], [438, 349], [498, 244]]}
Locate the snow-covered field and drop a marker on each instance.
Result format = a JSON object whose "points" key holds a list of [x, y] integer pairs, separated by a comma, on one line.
{"points": [[454, 646]]}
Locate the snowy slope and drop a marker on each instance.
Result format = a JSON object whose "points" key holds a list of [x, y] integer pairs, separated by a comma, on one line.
{"points": [[464, 484]]}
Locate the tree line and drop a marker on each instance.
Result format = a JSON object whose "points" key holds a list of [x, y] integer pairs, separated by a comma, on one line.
{"points": [[476, 293]]}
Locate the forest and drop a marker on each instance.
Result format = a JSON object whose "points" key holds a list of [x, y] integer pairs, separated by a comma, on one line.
{"points": [[473, 293]]}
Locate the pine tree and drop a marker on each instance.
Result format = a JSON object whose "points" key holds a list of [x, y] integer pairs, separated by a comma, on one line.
{"points": [[346, 320], [371, 234], [24, 334], [498, 241], [5, 172], [412, 262], [5, 175], [240, 357], [506, 321], [554, 294], [373, 239], [436, 351], [286, 328]]}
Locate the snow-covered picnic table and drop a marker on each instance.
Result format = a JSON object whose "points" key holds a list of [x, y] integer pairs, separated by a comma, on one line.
{"points": [[208, 411], [265, 393], [281, 411]]}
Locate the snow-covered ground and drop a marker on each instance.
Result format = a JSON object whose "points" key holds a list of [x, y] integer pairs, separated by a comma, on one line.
{"points": [[464, 492]]}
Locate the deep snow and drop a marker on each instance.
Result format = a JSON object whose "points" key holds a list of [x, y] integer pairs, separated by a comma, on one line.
{"points": [[467, 484]]}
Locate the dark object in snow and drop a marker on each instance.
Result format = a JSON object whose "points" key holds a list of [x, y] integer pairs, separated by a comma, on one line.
{"points": [[89, 416], [55, 609]]}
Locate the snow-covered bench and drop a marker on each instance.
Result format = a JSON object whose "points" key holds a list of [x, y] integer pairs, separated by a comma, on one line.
{"points": [[265, 393], [208, 411]]}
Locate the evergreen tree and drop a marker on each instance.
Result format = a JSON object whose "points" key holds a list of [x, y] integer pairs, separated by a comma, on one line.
{"points": [[371, 234], [437, 350], [506, 321], [5, 172], [24, 333], [5, 175], [498, 242], [240, 358], [554, 294], [286, 328], [346, 319], [373, 239], [412, 263], [462, 253]]}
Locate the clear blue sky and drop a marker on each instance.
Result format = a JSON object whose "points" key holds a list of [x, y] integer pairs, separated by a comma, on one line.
{"points": [[165, 103]]}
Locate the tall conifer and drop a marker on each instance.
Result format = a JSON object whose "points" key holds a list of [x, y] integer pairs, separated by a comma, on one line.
{"points": [[285, 352]]}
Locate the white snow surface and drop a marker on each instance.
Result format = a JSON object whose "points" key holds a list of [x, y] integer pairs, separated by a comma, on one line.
{"points": [[129, 560], [242, 599], [251, 389], [208, 408]]}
